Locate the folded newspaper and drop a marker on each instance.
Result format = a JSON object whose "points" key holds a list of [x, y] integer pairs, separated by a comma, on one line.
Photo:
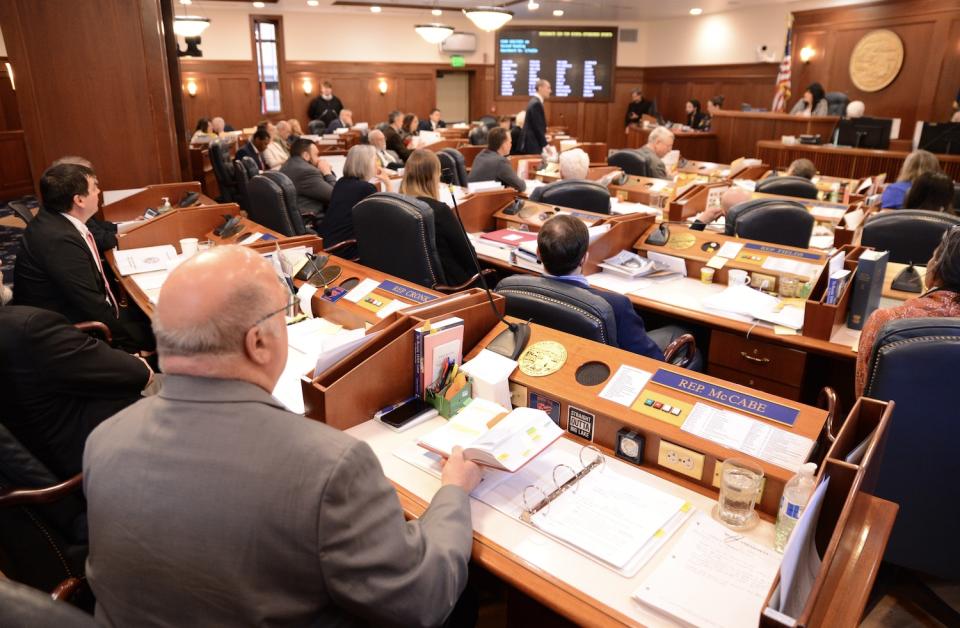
{"points": [[631, 265]]}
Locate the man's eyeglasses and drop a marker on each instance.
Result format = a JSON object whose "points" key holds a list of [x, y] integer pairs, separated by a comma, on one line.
{"points": [[292, 302]]}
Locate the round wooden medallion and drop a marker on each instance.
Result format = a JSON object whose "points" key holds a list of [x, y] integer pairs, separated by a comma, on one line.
{"points": [[876, 60]]}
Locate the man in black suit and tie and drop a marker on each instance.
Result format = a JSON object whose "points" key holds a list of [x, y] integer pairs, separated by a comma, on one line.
{"points": [[433, 122], [58, 266], [343, 121], [58, 383], [535, 122], [255, 147]]}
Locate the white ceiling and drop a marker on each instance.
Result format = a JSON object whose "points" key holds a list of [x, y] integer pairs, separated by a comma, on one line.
{"points": [[612, 11]]}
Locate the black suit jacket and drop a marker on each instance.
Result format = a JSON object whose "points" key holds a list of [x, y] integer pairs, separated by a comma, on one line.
{"points": [[534, 128], [326, 110], [56, 271], [58, 383], [249, 150], [426, 126], [338, 223], [395, 143]]}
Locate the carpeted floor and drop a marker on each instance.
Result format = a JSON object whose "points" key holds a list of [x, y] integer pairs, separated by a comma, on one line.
{"points": [[10, 229]]}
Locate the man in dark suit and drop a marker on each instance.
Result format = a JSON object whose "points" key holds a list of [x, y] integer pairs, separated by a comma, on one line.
{"points": [[58, 266], [278, 520], [392, 134], [58, 383], [535, 120], [343, 121], [433, 122], [325, 107], [492, 163], [562, 246], [104, 232], [312, 177], [255, 147]]}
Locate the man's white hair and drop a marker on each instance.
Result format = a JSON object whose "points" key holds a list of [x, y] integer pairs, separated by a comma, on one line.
{"points": [[660, 133], [574, 164]]}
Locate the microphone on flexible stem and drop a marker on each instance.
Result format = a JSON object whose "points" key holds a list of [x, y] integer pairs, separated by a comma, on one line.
{"points": [[513, 340], [316, 273]]}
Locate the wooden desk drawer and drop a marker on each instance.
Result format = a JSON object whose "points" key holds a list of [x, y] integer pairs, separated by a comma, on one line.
{"points": [[755, 382], [758, 358]]}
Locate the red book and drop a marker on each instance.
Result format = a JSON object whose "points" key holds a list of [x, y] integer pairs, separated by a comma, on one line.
{"points": [[509, 238]]}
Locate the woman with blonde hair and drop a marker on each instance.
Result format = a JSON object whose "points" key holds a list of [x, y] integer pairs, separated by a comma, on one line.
{"points": [[295, 129], [359, 169], [421, 179], [917, 163]]}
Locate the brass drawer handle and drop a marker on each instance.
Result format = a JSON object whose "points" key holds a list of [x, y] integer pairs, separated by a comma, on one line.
{"points": [[747, 356]]}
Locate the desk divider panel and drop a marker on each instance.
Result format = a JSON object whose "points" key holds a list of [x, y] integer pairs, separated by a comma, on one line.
{"points": [[624, 231], [133, 206], [477, 209], [171, 227]]}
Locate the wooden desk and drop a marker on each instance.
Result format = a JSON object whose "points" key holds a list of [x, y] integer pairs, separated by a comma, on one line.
{"points": [[133, 206], [691, 144], [201, 169], [739, 131], [852, 163]]}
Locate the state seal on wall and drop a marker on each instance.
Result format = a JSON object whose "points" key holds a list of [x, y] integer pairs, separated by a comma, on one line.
{"points": [[876, 60]]}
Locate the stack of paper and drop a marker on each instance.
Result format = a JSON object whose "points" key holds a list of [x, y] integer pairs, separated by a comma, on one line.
{"points": [[746, 301], [145, 260]]}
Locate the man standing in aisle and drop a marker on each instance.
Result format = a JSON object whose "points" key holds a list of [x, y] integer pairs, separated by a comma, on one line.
{"points": [[325, 107], [535, 124]]}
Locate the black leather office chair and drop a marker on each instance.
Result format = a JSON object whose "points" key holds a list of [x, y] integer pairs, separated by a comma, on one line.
{"points": [[273, 203], [771, 220], [21, 210], [242, 175], [837, 103], [575, 194], [788, 186], [25, 607], [910, 364], [956, 197], [910, 235], [395, 234], [316, 127], [41, 543], [579, 312], [448, 168], [460, 165], [222, 170], [631, 162], [488, 121]]}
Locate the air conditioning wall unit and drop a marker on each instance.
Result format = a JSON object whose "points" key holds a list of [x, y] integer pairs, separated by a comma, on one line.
{"points": [[459, 43]]}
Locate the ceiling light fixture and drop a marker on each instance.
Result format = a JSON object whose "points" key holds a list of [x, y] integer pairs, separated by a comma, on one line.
{"points": [[186, 2], [558, 13], [259, 5], [313, 3], [696, 11], [488, 18], [433, 33], [436, 12], [375, 9], [533, 5], [190, 25]]}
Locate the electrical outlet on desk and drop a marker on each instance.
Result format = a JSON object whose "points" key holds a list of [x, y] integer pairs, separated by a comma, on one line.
{"points": [[680, 459]]}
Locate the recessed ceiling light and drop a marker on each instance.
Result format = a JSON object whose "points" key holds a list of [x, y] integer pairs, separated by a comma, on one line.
{"points": [[436, 12], [696, 11], [187, 2], [313, 3], [375, 9], [558, 13], [259, 5], [533, 6]]}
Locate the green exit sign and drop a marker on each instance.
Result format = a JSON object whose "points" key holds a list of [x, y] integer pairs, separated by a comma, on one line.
{"points": [[457, 61]]}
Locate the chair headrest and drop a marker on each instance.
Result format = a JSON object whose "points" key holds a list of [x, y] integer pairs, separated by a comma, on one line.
{"points": [[251, 166], [270, 200], [905, 217], [788, 185], [576, 194], [777, 221], [911, 235]]}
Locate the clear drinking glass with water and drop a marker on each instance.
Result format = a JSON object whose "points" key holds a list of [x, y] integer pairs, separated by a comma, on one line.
{"points": [[740, 483]]}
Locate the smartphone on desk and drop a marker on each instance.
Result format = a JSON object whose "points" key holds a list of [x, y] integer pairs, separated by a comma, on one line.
{"points": [[406, 414]]}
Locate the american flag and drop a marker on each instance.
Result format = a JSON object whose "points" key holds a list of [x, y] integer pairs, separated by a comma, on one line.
{"points": [[782, 95]]}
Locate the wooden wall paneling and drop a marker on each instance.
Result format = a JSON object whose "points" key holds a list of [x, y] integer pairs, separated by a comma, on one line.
{"points": [[62, 93], [15, 179], [224, 88], [9, 111], [927, 81]]}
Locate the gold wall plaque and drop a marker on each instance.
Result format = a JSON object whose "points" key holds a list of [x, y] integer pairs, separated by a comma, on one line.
{"points": [[876, 60]]}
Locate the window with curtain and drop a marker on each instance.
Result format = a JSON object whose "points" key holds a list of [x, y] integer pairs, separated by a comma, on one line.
{"points": [[266, 36]]}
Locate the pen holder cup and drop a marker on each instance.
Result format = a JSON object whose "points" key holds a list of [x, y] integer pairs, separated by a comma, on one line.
{"points": [[448, 407]]}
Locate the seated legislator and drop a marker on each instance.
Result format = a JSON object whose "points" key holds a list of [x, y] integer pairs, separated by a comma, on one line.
{"points": [[562, 246], [312, 177], [942, 299], [516, 133], [734, 196], [277, 151], [421, 178], [932, 191], [492, 163], [295, 130], [695, 116], [203, 132], [359, 169], [343, 121], [659, 143], [813, 102], [58, 266], [255, 147], [433, 121], [575, 164], [104, 232], [802, 168], [230, 510], [714, 105], [385, 158], [392, 133], [916, 163], [410, 127], [58, 383]]}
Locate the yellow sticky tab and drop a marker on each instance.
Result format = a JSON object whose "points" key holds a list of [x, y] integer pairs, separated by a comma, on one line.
{"points": [[658, 533], [687, 507]]}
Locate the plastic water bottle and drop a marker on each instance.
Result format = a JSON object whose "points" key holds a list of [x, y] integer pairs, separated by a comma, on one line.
{"points": [[165, 205], [794, 500]]}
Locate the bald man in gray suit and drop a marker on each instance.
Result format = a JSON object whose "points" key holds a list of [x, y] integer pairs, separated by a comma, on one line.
{"points": [[212, 505]]}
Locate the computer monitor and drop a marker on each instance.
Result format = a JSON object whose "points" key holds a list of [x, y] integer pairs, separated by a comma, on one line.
{"points": [[864, 132], [940, 137]]}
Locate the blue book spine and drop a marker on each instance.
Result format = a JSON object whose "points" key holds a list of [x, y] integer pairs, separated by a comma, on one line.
{"points": [[832, 289], [867, 289], [417, 360]]}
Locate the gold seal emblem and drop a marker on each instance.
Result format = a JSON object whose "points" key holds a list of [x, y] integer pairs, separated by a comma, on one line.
{"points": [[542, 358], [876, 60]]}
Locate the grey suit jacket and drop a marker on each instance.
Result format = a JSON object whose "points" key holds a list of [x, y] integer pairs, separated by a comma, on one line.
{"points": [[313, 187], [657, 169], [489, 165], [212, 505]]}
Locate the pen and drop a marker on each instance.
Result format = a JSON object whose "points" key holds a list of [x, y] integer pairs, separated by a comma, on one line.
{"points": [[394, 406]]}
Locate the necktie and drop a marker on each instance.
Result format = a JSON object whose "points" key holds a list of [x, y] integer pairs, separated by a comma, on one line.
{"points": [[106, 284]]}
